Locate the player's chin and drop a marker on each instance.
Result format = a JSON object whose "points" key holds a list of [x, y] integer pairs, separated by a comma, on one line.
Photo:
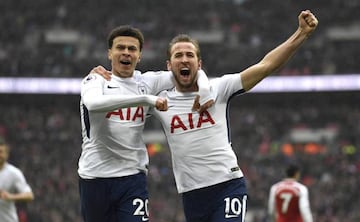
{"points": [[186, 84]]}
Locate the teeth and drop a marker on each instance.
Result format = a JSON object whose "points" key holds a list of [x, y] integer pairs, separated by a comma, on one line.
{"points": [[185, 71], [125, 62]]}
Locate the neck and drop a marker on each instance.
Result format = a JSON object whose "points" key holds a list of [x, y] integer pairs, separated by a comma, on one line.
{"points": [[192, 88], [123, 74], [2, 165]]}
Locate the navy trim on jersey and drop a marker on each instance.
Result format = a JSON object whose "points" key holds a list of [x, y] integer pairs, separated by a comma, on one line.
{"points": [[228, 112], [86, 121]]}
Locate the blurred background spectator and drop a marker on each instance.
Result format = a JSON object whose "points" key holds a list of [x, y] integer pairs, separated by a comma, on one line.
{"points": [[67, 38]]}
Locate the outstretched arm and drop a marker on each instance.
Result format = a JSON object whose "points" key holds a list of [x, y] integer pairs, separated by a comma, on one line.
{"points": [[281, 54]]}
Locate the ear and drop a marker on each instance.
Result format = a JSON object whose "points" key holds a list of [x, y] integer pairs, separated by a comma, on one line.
{"points": [[168, 64], [109, 54], [200, 64]]}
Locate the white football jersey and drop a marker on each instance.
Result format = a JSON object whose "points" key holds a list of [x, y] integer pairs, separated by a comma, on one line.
{"points": [[200, 145], [113, 116], [12, 180]]}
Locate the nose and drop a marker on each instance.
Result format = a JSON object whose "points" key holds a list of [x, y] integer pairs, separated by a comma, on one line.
{"points": [[125, 51], [184, 58]]}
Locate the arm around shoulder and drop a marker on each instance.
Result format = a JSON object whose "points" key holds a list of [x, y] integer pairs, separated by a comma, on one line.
{"points": [[95, 100]]}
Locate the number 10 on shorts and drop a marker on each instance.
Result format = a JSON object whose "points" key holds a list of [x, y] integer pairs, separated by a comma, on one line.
{"points": [[234, 206]]}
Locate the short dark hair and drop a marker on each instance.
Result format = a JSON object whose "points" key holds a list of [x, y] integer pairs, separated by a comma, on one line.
{"points": [[183, 38], [292, 170], [125, 30]]}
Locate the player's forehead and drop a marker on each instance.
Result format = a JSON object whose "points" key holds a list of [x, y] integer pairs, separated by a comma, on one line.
{"points": [[183, 47], [126, 41], [3, 148]]}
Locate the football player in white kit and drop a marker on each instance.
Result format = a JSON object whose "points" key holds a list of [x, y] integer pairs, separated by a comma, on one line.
{"points": [[205, 166], [113, 163], [13, 186]]}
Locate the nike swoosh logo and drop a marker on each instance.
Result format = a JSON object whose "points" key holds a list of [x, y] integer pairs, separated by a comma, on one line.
{"points": [[112, 87], [145, 218], [231, 216]]}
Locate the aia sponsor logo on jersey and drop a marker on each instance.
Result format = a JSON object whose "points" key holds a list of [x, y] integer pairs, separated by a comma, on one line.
{"points": [[128, 114], [189, 121]]}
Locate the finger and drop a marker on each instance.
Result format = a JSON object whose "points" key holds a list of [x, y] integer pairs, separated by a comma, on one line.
{"points": [[314, 22], [161, 104], [99, 68], [103, 72], [202, 109], [165, 106], [93, 70], [160, 108], [196, 104], [206, 106], [309, 16], [107, 76]]}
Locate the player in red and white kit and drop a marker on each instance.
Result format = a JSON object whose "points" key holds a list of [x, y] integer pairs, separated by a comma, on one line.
{"points": [[289, 199]]}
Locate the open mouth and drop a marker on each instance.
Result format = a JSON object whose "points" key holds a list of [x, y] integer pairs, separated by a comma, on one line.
{"points": [[125, 62], [185, 71]]}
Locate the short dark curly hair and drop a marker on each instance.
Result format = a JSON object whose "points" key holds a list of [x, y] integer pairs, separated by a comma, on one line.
{"points": [[125, 30]]}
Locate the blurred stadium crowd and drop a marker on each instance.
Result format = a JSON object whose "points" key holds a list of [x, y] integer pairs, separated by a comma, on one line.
{"points": [[44, 133], [67, 38]]}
